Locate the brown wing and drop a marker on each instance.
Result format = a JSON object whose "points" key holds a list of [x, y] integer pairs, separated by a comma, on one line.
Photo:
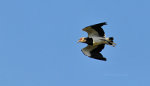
{"points": [[87, 50], [93, 51], [96, 53], [95, 30]]}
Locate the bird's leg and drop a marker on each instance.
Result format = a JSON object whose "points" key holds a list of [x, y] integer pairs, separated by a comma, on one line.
{"points": [[111, 43], [114, 44]]}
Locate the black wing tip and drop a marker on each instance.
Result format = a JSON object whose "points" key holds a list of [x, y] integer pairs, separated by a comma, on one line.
{"points": [[99, 24], [103, 23], [99, 58], [103, 59]]}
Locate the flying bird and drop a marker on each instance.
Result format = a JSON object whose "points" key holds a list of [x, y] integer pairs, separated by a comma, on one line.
{"points": [[95, 41]]}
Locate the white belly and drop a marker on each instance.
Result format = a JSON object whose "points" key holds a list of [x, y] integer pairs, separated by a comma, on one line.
{"points": [[98, 41]]}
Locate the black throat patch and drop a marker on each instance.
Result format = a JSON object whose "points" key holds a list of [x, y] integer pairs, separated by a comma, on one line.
{"points": [[89, 41]]}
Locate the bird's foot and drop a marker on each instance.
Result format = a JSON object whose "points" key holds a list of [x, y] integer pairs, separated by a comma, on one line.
{"points": [[114, 44]]}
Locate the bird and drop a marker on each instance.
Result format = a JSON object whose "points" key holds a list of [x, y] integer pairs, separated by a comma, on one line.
{"points": [[96, 41]]}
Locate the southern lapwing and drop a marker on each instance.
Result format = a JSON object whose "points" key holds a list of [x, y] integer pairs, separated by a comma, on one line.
{"points": [[96, 41]]}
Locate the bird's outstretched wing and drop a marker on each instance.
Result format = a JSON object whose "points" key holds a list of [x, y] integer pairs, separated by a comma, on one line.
{"points": [[95, 30], [93, 51]]}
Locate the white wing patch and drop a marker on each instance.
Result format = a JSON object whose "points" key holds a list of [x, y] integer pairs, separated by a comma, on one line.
{"points": [[91, 32], [86, 51]]}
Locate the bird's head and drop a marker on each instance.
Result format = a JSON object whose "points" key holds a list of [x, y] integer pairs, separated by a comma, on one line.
{"points": [[83, 40]]}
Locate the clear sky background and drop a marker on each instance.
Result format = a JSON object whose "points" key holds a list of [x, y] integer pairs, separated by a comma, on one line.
{"points": [[38, 43]]}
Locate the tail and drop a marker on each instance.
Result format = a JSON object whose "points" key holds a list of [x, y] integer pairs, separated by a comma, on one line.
{"points": [[111, 42], [111, 39]]}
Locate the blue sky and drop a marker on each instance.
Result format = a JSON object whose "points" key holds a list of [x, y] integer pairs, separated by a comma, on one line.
{"points": [[38, 43]]}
